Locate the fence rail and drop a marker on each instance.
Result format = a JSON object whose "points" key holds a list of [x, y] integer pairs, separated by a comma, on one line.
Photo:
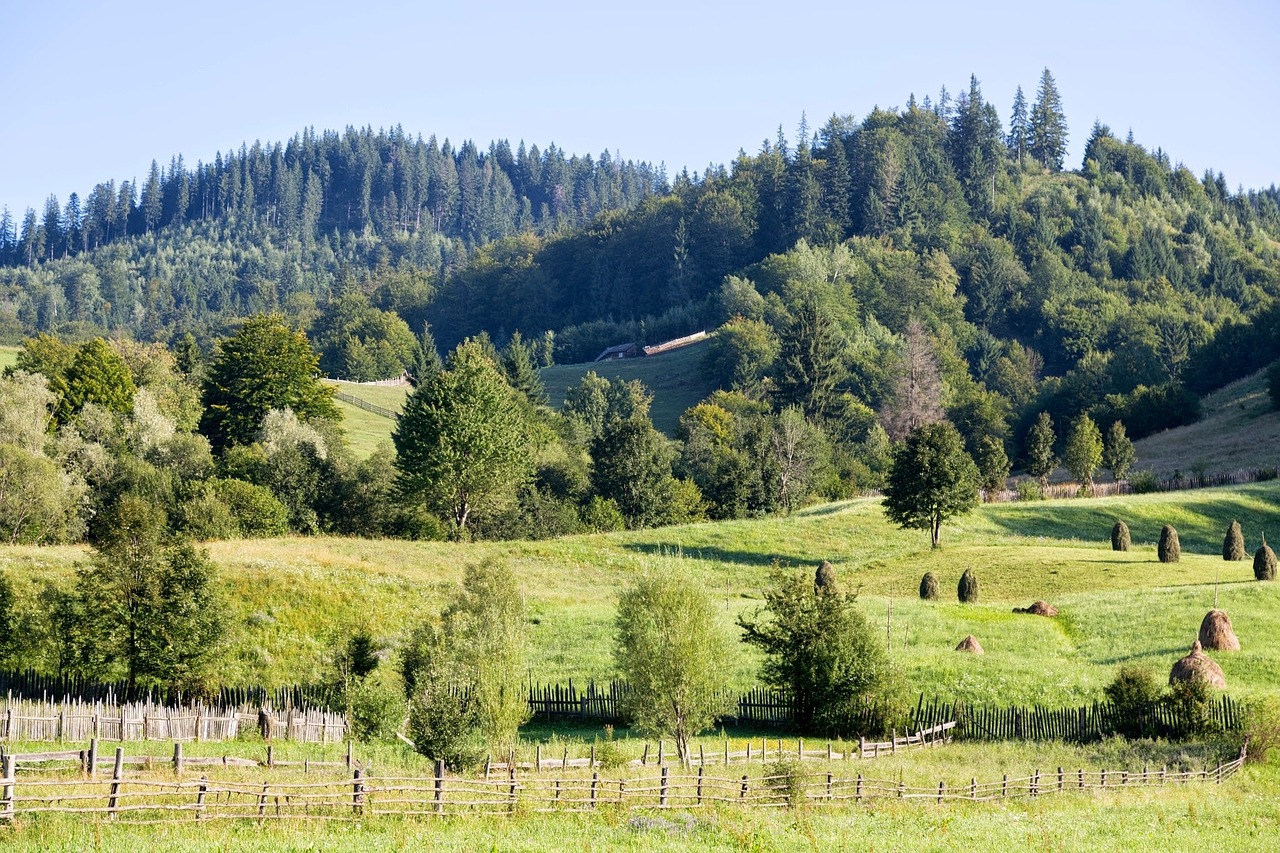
{"points": [[359, 797], [74, 720], [365, 404]]}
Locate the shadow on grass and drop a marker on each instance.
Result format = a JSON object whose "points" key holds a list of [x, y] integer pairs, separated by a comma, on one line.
{"points": [[724, 555]]}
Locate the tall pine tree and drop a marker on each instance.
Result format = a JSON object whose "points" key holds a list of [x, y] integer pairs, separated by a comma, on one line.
{"points": [[1048, 127]]}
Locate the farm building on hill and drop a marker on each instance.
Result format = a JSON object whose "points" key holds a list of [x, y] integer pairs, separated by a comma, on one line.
{"points": [[620, 351], [634, 350]]}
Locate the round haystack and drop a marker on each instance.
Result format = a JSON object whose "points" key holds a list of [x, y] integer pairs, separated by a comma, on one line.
{"points": [[1233, 543], [1198, 665], [967, 589], [1169, 549], [1040, 608], [971, 645], [824, 579], [1120, 537], [1216, 632], [929, 586], [1264, 562]]}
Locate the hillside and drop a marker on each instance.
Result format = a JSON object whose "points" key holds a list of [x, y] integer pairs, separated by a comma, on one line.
{"points": [[677, 380], [291, 597], [1240, 430]]}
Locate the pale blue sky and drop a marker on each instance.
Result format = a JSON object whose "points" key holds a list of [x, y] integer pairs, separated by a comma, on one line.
{"points": [[93, 91]]}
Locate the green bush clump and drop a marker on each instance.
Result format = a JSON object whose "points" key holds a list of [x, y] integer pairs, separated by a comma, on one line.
{"points": [[1120, 537], [1144, 482], [1134, 694], [1029, 490], [1264, 562], [968, 588], [1233, 544], [929, 586], [1169, 550]]}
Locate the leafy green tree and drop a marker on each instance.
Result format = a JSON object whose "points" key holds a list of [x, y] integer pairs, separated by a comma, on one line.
{"points": [[1040, 456], [357, 341], [1047, 129], [993, 464], [672, 650], [39, 502], [96, 375], [741, 353], [631, 465], [1084, 451], [45, 354], [154, 609], [932, 479], [819, 647], [264, 366], [461, 440], [1118, 454]]}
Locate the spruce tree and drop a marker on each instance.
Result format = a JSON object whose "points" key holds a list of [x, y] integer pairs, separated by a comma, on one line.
{"points": [[1048, 125], [1019, 127]]}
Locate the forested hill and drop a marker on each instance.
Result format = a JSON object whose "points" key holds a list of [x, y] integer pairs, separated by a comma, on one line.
{"points": [[1113, 280]]}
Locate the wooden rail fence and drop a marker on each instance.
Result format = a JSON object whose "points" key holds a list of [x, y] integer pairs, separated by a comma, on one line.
{"points": [[73, 720], [361, 796]]}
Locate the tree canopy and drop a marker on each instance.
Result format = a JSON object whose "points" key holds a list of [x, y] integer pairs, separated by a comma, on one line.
{"points": [[932, 479]]}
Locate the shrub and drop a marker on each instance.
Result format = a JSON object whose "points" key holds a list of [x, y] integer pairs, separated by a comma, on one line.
{"points": [[1264, 562], [1120, 537], [257, 511], [1144, 482], [601, 515], [1262, 727], [1190, 700], [608, 754], [968, 588], [785, 780], [1233, 544], [1133, 694], [1169, 550], [442, 724], [376, 710], [1029, 490], [929, 586]]}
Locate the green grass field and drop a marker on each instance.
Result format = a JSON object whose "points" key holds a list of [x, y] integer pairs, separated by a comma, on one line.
{"points": [[676, 379], [8, 356]]}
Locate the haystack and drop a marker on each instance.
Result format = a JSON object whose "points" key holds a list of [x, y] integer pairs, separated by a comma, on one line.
{"points": [[1040, 608], [1216, 633], [971, 645], [1198, 665]]}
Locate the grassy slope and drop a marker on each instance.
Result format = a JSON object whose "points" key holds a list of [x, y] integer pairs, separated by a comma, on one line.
{"points": [[8, 356], [291, 595], [676, 379], [1240, 429], [366, 430]]}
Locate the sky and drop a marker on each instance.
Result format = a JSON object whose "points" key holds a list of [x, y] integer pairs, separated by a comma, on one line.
{"points": [[93, 91]]}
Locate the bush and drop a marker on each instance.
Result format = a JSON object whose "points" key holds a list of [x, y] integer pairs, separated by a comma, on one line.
{"points": [[1190, 702], [1133, 695], [929, 586], [1233, 544], [1169, 550], [377, 711], [1120, 537], [1262, 727], [968, 588], [1264, 562], [608, 754], [1144, 482], [785, 780], [443, 726], [1029, 490], [601, 515], [257, 511]]}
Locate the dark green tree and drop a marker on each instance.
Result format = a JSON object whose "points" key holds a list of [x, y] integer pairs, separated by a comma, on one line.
{"points": [[266, 365], [811, 362], [461, 439], [631, 465], [993, 464], [1118, 454], [519, 362], [96, 375], [1019, 128], [1040, 456], [931, 479], [1047, 129], [819, 647], [1084, 451]]}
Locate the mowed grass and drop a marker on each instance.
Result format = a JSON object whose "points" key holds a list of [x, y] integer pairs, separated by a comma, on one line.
{"points": [[365, 430], [677, 380], [1240, 430], [292, 597]]}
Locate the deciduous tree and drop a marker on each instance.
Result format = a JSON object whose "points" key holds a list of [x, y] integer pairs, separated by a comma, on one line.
{"points": [[932, 479]]}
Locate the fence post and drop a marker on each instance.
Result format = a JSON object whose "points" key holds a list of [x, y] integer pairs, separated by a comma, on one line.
{"points": [[1062, 779], [357, 792], [595, 783], [1035, 783], [351, 754], [199, 725], [664, 786], [439, 787], [662, 754], [204, 788], [564, 765], [726, 752], [858, 791], [271, 755], [116, 775], [592, 760], [743, 794], [1104, 778], [262, 802], [511, 790], [644, 759], [893, 742], [97, 727], [8, 724], [862, 746], [1081, 773], [93, 758], [701, 770], [942, 786], [1004, 786], [9, 770], [123, 729], [1219, 771], [177, 758], [830, 795], [973, 787], [537, 758], [799, 749], [828, 750]]}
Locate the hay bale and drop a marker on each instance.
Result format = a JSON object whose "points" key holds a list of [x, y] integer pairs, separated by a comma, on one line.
{"points": [[1216, 632], [824, 579], [1169, 550], [1264, 562], [967, 590], [971, 645], [1198, 665], [1120, 537], [929, 586], [1233, 543], [1040, 608]]}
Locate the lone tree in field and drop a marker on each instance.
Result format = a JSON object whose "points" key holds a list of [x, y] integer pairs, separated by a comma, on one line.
{"points": [[461, 439], [993, 465], [671, 649], [266, 365], [929, 586], [1040, 458], [820, 648], [1233, 544], [1118, 454], [1168, 550], [967, 589], [931, 479], [1084, 452], [1120, 537], [1264, 562]]}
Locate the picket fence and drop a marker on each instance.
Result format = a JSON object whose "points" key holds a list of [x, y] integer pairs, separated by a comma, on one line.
{"points": [[361, 797], [75, 720]]}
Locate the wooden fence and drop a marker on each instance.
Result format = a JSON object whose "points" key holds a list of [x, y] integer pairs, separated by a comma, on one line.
{"points": [[1179, 483], [30, 684], [360, 403], [73, 720], [361, 796]]}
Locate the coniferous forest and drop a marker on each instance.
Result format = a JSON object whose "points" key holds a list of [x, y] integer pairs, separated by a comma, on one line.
{"points": [[865, 277]]}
